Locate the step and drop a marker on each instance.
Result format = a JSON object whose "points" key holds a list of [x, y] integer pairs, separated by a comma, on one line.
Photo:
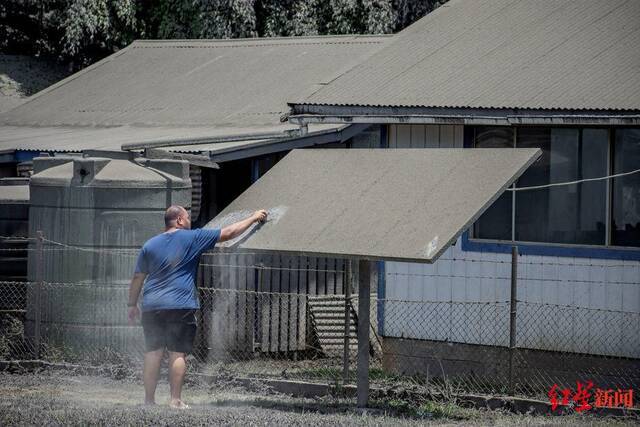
{"points": [[325, 308], [335, 303], [334, 329]]}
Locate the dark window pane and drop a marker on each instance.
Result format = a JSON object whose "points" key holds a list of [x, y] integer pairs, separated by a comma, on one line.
{"points": [[495, 223], [573, 214], [626, 189]]}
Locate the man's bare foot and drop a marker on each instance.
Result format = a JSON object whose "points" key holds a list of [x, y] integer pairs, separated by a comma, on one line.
{"points": [[149, 402], [178, 404]]}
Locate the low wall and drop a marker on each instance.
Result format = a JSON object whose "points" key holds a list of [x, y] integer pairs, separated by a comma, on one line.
{"points": [[532, 369]]}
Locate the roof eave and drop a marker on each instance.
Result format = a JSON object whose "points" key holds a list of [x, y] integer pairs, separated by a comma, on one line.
{"points": [[340, 114]]}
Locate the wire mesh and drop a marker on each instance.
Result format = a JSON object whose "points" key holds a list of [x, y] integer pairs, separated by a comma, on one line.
{"points": [[277, 316]]}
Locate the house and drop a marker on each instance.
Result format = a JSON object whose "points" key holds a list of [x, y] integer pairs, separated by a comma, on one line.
{"points": [[221, 104], [562, 76], [221, 99]]}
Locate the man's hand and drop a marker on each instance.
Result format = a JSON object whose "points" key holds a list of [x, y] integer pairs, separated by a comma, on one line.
{"points": [[260, 216], [234, 230], [134, 313]]}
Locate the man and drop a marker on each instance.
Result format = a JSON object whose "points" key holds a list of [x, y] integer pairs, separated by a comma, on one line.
{"points": [[169, 263]]}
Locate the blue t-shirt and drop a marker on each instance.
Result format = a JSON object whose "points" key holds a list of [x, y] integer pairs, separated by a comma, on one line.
{"points": [[170, 261]]}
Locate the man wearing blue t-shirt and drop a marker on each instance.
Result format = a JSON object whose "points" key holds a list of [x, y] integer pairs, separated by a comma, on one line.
{"points": [[167, 266]]}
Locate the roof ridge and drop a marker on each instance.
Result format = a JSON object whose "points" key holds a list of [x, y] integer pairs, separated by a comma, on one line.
{"points": [[264, 39]]}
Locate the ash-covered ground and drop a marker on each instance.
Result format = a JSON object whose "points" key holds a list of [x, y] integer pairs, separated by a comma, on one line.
{"points": [[64, 398]]}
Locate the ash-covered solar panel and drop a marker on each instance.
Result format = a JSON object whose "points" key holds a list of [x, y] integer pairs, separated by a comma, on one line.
{"points": [[405, 205]]}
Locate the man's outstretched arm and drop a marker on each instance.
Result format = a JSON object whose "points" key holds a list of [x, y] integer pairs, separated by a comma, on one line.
{"points": [[234, 230]]}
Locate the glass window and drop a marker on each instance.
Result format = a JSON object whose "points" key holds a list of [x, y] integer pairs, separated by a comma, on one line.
{"points": [[626, 190], [495, 222], [573, 214]]}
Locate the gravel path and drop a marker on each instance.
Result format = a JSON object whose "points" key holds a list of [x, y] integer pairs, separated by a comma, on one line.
{"points": [[60, 398]]}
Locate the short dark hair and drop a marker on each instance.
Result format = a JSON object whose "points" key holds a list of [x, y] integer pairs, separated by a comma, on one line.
{"points": [[172, 214]]}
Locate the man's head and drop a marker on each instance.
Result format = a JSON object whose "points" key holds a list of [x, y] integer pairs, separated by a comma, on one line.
{"points": [[177, 217]]}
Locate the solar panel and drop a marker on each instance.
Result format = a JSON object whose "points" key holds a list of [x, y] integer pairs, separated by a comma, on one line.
{"points": [[404, 204]]}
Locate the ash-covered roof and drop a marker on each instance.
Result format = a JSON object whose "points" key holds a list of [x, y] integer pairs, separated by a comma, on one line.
{"points": [[181, 90], [529, 54]]}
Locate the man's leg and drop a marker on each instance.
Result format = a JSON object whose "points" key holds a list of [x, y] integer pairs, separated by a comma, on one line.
{"points": [[150, 374], [177, 371]]}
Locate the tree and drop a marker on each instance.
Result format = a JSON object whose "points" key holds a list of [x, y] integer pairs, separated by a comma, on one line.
{"points": [[83, 31], [95, 28], [225, 19]]}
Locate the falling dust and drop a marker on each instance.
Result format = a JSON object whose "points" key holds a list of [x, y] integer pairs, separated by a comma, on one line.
{"points": [[273, 216]]}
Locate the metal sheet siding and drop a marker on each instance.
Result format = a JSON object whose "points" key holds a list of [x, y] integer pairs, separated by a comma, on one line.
{"points": [[557, 54], [580, 284]]}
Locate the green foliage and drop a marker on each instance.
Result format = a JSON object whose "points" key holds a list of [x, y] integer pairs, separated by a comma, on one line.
{"points": [[95, 28], [168, 19], [31, 27], [83, 31], [222, 19]]}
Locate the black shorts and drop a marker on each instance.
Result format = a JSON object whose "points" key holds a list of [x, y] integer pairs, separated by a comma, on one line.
{"points": [[174, 330]]}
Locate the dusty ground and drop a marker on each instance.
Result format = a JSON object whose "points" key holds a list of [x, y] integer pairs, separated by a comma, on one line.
{"points": [[22, 76], [61, 398]]}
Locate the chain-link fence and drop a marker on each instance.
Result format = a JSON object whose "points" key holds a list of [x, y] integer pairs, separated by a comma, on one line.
{"points": [[286, 317]]}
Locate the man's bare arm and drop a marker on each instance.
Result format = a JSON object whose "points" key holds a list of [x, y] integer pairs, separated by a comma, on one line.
{"points": [[134, 288], [234, 230], [134, 293]]}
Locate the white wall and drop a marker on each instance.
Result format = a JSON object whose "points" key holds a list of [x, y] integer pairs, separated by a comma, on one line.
{"points": [[569, 304]]}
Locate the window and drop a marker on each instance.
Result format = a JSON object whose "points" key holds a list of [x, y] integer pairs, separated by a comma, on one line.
{"points": [[571, 214], [626, 189], [495, 224]]}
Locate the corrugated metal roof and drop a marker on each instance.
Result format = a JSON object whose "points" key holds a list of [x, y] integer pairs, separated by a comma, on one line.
{"points": [[429, 196], [215, 83], [76, 139], [534, 54]]}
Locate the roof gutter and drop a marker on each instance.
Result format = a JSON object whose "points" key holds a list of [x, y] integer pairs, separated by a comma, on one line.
{"points": [[469, 119], [142, 145]]}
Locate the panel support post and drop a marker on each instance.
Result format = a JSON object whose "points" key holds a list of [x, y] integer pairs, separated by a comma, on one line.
{"points": [[512, 316], [364, 297], [347, 320]]}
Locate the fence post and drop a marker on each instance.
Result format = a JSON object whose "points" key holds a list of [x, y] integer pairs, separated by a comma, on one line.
{"points": [[38, 289], [347, 321], [512, 317]]}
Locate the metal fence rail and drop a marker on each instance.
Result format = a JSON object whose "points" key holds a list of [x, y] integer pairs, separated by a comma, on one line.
{"points": [[297, 318]]}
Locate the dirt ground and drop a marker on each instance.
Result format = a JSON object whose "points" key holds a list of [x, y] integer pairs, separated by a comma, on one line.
{"points": [[63, 398]]}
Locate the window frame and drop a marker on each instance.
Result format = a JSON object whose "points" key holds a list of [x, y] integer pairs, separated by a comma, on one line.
{"points": [[606, 251]]}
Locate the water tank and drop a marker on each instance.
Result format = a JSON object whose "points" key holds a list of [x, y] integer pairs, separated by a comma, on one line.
{"points": [[95, 213]]}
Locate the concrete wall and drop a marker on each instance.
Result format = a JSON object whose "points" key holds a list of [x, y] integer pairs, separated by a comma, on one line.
{"points": [[488, 366], [585, 305]]}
